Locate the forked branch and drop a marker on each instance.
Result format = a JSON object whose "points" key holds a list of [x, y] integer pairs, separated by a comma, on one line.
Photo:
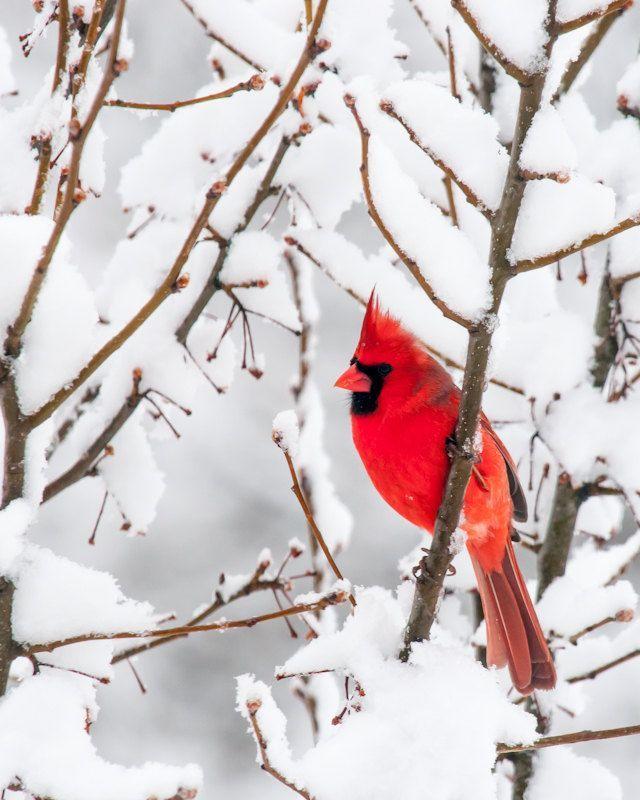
{"points": [[410, 264]]}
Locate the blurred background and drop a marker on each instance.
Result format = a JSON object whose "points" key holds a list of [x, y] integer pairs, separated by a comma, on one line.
{"points": [[227, 492]]}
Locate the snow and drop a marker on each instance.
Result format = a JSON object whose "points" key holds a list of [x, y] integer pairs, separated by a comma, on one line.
{"points": [[516, 27], [56, 598], [7, 81], [554, 216], [442, 252], [286, 431], [547, 148], [462, 138], [45, 742], [444, 739], [560, 772], [628, 87]]}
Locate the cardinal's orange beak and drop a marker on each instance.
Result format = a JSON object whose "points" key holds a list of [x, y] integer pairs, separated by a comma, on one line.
{"points": [[353, 380]]}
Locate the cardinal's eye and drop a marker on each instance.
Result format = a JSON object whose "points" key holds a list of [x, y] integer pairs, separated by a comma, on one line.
{"points": [[384, 369]]}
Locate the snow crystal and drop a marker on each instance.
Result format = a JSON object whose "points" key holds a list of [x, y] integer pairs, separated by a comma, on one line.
{"points": [[286, 431]]}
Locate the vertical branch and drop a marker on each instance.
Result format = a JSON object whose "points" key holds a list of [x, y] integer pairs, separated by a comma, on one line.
{"points": [[434, 566]]}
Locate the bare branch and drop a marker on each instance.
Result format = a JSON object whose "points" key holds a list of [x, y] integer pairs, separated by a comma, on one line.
{"points": [[331, 599], [255, 83], [311, 521], [256, 583], [410, 264], [468, 192], [589, 676], [570, 738], [596, 238], [63, 43]]}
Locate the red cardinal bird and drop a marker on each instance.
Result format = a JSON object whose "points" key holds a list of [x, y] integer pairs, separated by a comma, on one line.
{"points": [[404, 408]]}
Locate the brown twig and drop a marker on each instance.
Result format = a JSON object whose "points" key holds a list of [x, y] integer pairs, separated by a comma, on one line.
{"points": [[589, 676], [434, 566], [570, 738], [255, 83], [625, 615], [585, 19], [468, 192], [253, 706], [410, 264], [331, 599], [212, 35], [13, 341], [509, 67], [295, 488], [587, 49], [596, 238], [445, 359], [256, 583], [168, 285], [44, 159], [63, 44]]}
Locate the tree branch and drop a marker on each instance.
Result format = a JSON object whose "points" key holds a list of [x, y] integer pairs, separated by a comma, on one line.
{"points": [[585, 19], [596, 238], [63, 44], [475, 201], [410, 264], [570, 738], [256, 583], [509, 67], [212, 35], [435, 565], [13, 342], [168, 285], [253, 707], [575, 67], [589, 676], [331, 599], [254, 83], [445, 359]]}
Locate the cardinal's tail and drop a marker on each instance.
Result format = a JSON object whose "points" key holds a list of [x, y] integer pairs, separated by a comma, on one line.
{"points": [[514, 636]]}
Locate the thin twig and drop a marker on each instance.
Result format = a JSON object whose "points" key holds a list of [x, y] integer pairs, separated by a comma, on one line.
{"points": [[410, 264], [256, 583], [295, 488], [468, 192], [255, 83], [16, 330], [44, 159], [63, 44], [587, 49], [597, 13], [509, 67], [589, 676], [168, 285], [445, 359], [570, 738], [253, 707], [596, 238], [332, 599]]}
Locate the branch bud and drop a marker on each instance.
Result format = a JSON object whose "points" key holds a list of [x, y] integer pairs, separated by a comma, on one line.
{"points": [[256, 83], [624, 615], [74, 128], [349, 100], [254, 705], [217, 189], [120, 65], [181, 282]]}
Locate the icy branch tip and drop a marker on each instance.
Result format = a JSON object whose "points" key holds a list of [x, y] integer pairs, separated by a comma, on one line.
{"points": [[286, 431]]}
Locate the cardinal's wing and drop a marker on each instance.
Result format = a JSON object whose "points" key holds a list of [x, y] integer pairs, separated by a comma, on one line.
{"points": [[520, 512]]}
